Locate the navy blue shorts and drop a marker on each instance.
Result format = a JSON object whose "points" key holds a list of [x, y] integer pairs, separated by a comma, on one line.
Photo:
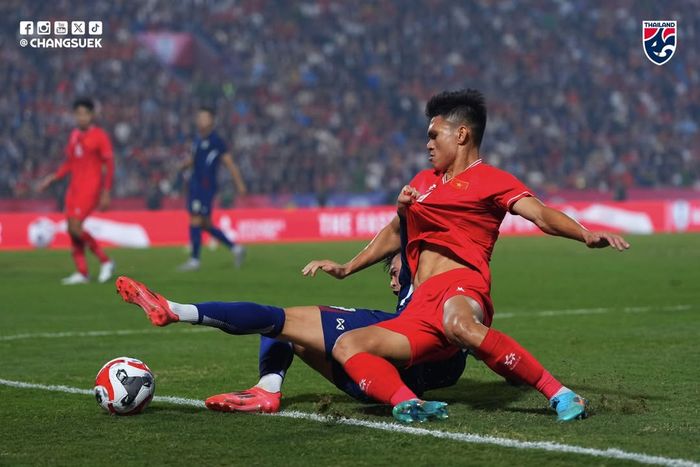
{"points": [[200, 202], [420, 378]]}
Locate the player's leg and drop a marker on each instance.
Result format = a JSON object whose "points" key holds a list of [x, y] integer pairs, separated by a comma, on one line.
{"points": [[75, 232], [106, 264], [462, 320], [237, 250], [366, 354], [275, 358], [196, 220], [295, 324], [436, 375]]}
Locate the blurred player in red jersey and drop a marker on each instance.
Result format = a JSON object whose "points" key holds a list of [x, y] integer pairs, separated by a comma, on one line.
{"points": [[453, 213], [90, 163]]}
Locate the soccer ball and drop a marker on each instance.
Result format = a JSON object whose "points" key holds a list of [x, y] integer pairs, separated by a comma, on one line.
{"points": [[124, 386], [41, 232]]}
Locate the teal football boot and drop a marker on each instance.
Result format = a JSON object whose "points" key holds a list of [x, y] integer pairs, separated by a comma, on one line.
{"points": [[416, 410], [569, 406]]}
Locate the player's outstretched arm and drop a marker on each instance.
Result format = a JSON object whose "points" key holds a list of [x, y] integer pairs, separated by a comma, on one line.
{"points": [[385, 243], [62, 171], [555, 222], [235, 173]]}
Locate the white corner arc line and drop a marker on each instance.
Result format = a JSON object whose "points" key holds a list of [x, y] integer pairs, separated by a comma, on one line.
{"points": [[610, 453]]}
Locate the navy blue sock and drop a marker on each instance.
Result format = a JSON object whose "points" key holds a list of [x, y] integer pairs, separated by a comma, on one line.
{"points": [[219, 235], [242, 317], [275, 356], [195, 240]]}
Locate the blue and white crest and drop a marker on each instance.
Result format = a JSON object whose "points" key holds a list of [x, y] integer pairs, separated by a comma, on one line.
{"points": [[659, 40]]}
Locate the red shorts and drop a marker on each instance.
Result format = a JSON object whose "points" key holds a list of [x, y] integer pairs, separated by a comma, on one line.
{"points": [[81, 204], [421, 321]]}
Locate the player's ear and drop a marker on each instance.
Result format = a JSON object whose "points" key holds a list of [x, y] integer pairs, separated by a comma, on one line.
{"points": [[463, 135]]}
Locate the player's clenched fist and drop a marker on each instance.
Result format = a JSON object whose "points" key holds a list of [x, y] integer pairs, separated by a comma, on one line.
{"points": [[407, 196], [332, 268]]}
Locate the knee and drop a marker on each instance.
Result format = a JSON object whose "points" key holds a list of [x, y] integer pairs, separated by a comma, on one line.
{"points": [[75, 231], [346, 347], [465, 332]]}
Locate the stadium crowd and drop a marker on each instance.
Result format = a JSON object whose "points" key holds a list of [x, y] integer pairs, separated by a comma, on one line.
{"points": [[326, 96]]}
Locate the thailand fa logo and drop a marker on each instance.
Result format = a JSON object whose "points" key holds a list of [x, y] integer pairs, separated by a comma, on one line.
{"points": [[659, 40]]}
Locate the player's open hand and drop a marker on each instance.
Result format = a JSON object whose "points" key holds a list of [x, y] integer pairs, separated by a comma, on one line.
{"points": [[105, 200], [604, 239], [407, 196], [44, 183], [332, 268]]}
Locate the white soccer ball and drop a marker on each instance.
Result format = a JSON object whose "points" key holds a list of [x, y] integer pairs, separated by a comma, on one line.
{"points": [[41, 232], [124, 386]]}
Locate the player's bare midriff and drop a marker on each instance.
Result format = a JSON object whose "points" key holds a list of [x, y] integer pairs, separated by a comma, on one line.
{"points": [[434, 260]]}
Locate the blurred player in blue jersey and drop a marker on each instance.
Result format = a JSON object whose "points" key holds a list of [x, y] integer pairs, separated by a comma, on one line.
{"points": [[209, 150]]}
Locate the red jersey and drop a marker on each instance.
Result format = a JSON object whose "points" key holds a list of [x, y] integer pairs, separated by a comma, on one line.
{"points": [[86, 152], [462, 214]]}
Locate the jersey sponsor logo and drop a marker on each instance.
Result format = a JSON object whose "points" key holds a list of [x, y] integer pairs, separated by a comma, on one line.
{"points": [[204, 144], [340, 326], [78, 150], [659, 40]]}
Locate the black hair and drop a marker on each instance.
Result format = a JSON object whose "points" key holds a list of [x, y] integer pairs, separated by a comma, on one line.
{"points": [[208, 109], [466, 106], [386, 262], [84, 102]]}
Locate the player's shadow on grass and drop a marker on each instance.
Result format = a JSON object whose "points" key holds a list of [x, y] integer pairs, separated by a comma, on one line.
{"points": [[484, 396], [478, 395], [489, 396]]}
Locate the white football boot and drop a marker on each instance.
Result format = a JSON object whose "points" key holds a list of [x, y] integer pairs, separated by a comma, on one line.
{"points": [[106, 272], [74, 279]]}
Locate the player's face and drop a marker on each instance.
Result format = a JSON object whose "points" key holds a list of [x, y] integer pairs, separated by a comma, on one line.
{"points": [[83, 117], [204, 122], [394, 272], [442, 143]]}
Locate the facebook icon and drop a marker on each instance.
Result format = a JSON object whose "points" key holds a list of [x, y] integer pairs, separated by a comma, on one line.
{"points": [[26, 28]]}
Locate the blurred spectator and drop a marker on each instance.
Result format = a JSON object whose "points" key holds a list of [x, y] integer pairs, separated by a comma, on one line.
{"points": [[326, 96]]}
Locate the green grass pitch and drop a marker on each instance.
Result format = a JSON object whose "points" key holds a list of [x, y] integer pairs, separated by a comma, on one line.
{"points": [[620, 328]]}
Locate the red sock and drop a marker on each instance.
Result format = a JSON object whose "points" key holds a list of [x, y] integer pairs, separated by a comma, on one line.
{"points": [[510, 360], [91, 243], [378, 378], [78, 253]]}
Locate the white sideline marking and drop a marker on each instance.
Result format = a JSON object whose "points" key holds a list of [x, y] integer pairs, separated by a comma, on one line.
{"points": [[610, 453], [545, 313], [118, 332]]}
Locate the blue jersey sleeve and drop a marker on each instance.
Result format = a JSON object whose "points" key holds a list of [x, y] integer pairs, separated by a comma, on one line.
{"points": [[221, 145]]}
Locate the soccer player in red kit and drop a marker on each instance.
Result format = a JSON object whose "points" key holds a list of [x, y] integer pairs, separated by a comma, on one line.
{"points": [[453, 213], [90, 163]]}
